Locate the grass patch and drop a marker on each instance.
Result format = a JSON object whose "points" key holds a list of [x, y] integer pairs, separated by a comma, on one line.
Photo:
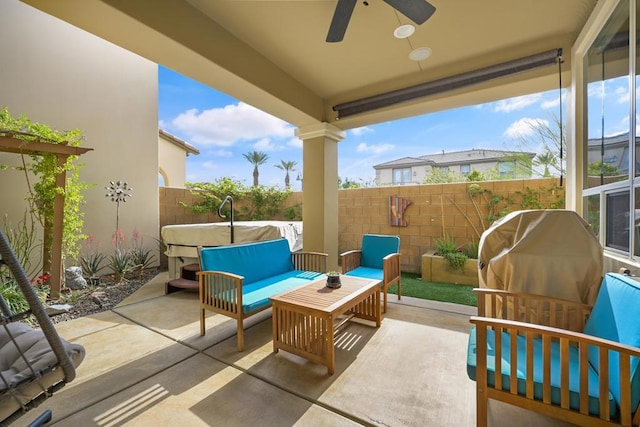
{"points": [[412, 286]]}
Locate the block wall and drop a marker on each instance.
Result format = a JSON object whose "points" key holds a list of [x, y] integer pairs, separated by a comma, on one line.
{"points": [[436, 210]]}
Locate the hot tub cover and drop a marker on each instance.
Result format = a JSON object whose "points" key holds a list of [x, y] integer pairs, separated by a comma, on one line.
{"points": [[182, 240], [547, 252]]}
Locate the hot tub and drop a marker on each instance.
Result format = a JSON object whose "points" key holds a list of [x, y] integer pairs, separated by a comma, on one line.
{"points": [[182, 240]]}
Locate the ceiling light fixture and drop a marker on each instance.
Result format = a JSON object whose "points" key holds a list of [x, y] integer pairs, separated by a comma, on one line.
{"points": [[420, 53], [448, 83], [404, 31]]}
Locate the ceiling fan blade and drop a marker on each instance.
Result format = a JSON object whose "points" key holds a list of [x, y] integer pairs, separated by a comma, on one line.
{"points": [[416, 10], [340, 20]]}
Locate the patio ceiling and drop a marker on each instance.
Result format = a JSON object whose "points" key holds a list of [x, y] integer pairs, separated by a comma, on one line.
{"points": [[272, 54]]}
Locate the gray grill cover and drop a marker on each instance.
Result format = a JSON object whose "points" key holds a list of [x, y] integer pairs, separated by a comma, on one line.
{"points": [[547, 252]]}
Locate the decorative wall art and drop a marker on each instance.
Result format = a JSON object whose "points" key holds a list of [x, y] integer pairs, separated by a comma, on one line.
{"points": [[397, 206]]}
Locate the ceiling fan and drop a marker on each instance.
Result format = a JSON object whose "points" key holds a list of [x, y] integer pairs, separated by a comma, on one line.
{"points": [[416, 10]]}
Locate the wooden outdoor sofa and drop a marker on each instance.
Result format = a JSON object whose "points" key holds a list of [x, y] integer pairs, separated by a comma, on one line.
{"points": [[562, 359], [237, 280]]}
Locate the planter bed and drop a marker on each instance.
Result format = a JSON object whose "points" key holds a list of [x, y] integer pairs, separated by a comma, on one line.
{"points": [[437, 269]]}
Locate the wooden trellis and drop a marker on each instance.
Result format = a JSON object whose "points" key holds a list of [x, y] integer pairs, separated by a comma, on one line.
{"points": [[10, 144]]}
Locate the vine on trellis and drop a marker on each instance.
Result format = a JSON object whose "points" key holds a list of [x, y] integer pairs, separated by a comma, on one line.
{"points": [[45, 167]]}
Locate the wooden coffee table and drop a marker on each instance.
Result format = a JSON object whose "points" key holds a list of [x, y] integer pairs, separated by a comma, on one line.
{"points": [[306, 319]]}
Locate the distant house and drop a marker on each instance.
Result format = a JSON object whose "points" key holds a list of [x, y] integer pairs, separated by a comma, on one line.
{"points": [[613, 151], [172, 156], [413, 170]]}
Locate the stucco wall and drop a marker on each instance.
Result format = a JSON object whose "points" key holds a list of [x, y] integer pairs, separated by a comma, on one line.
{"points": [[366, 210], [172, 163], [66, 78]]}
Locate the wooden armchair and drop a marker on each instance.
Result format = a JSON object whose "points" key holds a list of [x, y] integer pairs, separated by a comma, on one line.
{"points": [[559, 358], [378, 259]]}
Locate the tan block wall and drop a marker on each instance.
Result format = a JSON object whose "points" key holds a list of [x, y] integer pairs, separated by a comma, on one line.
{"points": [[435, 208], [172, 212]]}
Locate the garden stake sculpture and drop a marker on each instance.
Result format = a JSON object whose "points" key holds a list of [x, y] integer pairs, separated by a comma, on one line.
{"points": [[118, 193]]}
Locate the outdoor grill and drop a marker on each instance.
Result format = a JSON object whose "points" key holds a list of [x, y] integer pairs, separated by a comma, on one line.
{"points": [[547, 252]]}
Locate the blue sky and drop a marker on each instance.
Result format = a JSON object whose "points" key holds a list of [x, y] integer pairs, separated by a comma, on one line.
{"points": [[223, 128]]}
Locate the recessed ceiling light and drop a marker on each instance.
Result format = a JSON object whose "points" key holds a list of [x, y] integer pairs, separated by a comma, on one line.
{"points": [[404, 31], [420, 53]]}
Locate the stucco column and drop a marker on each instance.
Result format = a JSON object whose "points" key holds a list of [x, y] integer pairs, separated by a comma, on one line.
{"points": [[320, 190]]}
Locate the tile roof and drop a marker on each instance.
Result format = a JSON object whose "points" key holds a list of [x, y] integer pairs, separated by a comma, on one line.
{"points": [[179, 142]]}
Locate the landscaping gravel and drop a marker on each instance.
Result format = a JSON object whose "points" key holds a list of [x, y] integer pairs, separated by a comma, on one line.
{"points": [[101, 297]]}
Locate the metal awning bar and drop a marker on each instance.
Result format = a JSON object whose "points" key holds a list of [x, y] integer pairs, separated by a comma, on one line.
{"points": [[448, 83]]}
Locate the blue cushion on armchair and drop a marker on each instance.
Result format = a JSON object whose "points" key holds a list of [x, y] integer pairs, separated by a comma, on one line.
{"points": [[375, 247]]}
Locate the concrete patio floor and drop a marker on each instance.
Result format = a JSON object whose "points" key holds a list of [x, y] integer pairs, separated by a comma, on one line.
{"points": [[147, 365]]}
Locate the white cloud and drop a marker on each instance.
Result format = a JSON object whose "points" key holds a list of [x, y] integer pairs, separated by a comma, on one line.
{"points": [[361, 131], [162, 124], [358, 169], [376, 149], [192, 177], [553, 103], [295, 142], [524, 127], [622, 94], [265, 144], [226, 126], [208, 165], [222, 153], [517, 103], [622, 126], [595, 90]]}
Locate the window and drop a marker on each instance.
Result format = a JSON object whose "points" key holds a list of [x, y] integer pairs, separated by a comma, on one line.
{"points": [[617, 225], [611, 178], [465, 170], [506, 170], [444, 169], [402, 176]]}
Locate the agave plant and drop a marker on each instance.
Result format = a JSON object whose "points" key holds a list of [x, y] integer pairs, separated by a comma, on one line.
{"points": [[92, 264], [141, 259], [120, 263]]}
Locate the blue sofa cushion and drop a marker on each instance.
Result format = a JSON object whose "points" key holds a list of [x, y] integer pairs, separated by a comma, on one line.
{"points": [[256, 295], [574, 373], [367, 273], [253, 261], [375, 247], [615, 317]]}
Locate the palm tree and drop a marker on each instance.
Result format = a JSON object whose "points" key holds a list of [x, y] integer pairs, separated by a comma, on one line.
{"points": [[256, 158], [545, 159], [287, 166], [549, 139]]}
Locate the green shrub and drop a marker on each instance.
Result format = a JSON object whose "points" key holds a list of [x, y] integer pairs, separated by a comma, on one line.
{"points": [[23, 242], [293, 213], [471, 249], [446, 245], [456, 260]]}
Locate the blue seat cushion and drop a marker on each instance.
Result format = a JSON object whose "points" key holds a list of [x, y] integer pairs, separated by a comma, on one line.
{"points": [[367, 273], [375, 247], [615, 317], [253, 261], [574, 372], [255, 296]]}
